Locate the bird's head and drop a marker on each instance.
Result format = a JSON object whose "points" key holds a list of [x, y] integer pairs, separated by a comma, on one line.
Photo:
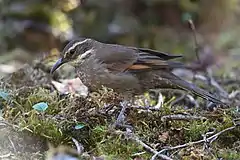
{"points": [[75, 52]]}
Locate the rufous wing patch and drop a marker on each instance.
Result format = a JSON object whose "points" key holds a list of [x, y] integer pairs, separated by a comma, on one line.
{"points": [[138, 67]]}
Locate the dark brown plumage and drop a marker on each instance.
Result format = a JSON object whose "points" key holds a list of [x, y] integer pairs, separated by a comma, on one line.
{"points": [[127, 70]]}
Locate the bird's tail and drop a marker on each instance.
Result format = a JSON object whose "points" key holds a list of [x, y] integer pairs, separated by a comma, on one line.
{"points": [[192, 88]]}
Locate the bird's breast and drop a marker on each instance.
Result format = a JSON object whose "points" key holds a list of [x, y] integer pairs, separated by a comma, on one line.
{"points": [[95, 75]]}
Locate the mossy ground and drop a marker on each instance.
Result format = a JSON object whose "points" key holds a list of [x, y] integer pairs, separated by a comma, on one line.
{"points": [[27, 132]]}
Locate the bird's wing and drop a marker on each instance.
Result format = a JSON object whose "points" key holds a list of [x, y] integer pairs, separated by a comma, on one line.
{"points": [[136, 59], [117, 60], [153, 59]]}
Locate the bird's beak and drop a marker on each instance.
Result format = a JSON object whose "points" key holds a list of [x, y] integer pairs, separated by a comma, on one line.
{"points": [[57, 65]]}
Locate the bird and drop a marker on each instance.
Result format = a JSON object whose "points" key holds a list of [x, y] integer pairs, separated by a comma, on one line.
{"points": [[127, 70]]}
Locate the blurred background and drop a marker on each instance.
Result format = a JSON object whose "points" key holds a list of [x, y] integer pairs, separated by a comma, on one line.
{"points": [[31, 29]]}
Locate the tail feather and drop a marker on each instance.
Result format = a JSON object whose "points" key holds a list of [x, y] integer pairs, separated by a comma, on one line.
{"points": [[197, 91], [176, 64], [162, 55], [192, 88]]}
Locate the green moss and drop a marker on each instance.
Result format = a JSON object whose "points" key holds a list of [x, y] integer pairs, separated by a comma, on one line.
{"points": [[95, 135], [99, 132], [42, 126], [117, 147], [20, 112], [229, 154], [26, 98], [196, 129]]}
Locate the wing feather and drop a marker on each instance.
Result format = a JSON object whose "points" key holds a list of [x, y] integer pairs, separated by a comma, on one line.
{"points": [[121, 58], [117, 60]]}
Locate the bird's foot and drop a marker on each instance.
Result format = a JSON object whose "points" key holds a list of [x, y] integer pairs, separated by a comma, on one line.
{"points": [[120, 122]]}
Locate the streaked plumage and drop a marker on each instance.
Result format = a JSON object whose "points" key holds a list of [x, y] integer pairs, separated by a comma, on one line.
{"points": [[127, 70]]}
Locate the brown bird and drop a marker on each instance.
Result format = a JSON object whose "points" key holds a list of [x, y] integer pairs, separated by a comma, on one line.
{"points": [[127, 70]]}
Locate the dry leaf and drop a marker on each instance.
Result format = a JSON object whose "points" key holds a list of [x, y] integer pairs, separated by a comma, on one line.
{"points": [[74, 86], [163, 137]]}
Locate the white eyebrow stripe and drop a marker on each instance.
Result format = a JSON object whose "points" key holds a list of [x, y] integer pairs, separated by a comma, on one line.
{"points": [[82, 56], [76, 44]]}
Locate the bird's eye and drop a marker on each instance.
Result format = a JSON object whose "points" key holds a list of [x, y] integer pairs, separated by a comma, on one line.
{"points": [[72, 51]]}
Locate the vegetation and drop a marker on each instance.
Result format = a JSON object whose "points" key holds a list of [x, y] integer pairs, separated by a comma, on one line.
{"points": [[38, 119]]}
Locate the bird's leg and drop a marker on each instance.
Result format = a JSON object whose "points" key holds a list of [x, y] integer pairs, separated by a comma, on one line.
{"points": [[213, 82], [194, 78], [121, 117], [208, 75]]}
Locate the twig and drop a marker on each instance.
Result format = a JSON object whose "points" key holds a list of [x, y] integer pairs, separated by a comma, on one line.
{"points": [[136, 139], [236, 121], [181, 117], [204, 140], [178, 99], [234, 94], [215, 136], [209, 79], [193, 28], [9, 124], [209, 75], [147, 108], [184, 95], [138, 154], [206, 146], [79, 147], [131, 136], [14, 148], [6, 155]]}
